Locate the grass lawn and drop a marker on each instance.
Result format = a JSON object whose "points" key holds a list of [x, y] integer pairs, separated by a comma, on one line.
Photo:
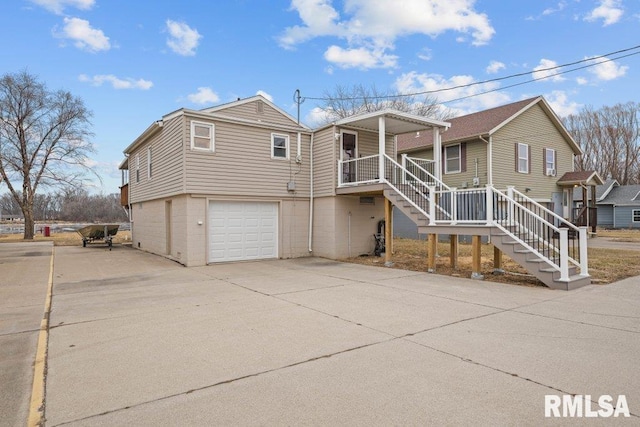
{"points": [[605, 265]]}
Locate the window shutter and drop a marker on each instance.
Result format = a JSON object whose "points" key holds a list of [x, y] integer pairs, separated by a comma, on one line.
{"points": [[516, 155], [463, 157], [529, 155]]}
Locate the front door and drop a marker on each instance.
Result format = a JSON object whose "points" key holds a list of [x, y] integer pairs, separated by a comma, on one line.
{"points": [[348, 151]]}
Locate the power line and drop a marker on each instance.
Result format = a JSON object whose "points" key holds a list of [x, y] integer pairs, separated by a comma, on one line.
{"points": [[511, 76]]}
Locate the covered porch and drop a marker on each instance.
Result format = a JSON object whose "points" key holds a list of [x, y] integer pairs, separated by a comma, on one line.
{"points": [[581, 187]]}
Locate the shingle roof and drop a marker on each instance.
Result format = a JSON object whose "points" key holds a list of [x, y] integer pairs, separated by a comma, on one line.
{"points": [[623, 195], [577, 177], [466, 127]]}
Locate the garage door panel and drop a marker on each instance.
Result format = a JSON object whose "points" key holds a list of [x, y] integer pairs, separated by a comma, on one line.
{"points": [[242, 230]]}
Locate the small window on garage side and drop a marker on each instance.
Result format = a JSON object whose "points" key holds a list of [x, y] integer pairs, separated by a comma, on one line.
{"points": [[635, 215], [149, 163], [279, 146], [137, 167], [202, 136]]}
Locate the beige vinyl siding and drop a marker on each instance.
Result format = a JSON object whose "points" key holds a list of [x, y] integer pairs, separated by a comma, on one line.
{"points": [[324, 162], [533, 127], [250, 111], [167, 152], [242, 163]]}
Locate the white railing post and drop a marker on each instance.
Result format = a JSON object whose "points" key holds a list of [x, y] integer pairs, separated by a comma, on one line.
{"points": [[489, 204], [454, 205], [564, 254], [432, 205], [511, 211], [584, 258], [340, 172], [381, 146], [403, 158]]}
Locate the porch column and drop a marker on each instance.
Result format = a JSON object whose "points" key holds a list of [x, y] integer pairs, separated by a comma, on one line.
{"points": [[476, 255], [437, 153], [497, 261], [432, 248], [388, 244], [382, 131], [453, 250]]}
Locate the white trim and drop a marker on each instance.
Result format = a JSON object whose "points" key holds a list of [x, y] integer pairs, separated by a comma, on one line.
{"points": [[520, 144], [149, 163], [446, 163], [211, 127], [137, 167], [550, 171], [286, 145]]}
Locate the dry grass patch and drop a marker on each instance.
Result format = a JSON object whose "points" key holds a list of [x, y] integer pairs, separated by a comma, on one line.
{"points": [[605, 265], [620, 235], [65, 238]]}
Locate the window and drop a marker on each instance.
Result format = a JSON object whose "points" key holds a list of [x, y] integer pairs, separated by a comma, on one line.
{"points": [[549, 162], [279, 146], [137, 167], [452, 159], [522, 159], [149, 163], [202, 136], [635, 215]]}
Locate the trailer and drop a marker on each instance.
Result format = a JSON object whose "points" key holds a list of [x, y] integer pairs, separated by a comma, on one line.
{"points": [[95, 232]]}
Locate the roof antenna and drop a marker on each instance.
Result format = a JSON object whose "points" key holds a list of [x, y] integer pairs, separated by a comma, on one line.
{"points": [[298, 100]]}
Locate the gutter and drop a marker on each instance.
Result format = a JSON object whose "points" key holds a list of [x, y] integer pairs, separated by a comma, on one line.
{"points": [[311, 194]]}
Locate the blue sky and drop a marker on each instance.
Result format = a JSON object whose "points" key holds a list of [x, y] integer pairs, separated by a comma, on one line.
{"points": [[134, 61]]}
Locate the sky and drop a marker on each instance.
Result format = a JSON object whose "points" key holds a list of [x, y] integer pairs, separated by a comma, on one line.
{"points": [[134, 61]]}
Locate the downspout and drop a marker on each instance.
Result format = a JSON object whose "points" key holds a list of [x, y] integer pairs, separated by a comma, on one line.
{"points": [[489, 158], [311, 193]]}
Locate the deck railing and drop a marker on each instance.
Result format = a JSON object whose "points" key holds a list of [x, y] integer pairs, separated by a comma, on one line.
{"points": [[554, 239]]}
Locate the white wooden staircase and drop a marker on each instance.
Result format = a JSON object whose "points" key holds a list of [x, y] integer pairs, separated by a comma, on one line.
{"points": [[546, 245]]}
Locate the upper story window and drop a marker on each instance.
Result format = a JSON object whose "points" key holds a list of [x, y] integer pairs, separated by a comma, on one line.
{"points": [[279, 146], [452, 158], [635, 215], [149, 168], [549, 162], [522, 158], [202, 136]]}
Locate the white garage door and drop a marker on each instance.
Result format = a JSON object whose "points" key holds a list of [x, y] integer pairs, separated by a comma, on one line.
{"points": [[242, 230]]}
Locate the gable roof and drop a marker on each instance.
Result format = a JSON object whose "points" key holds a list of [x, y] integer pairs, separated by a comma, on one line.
{"points": [[580, 178], [484, 123], [623, 195], [396, 122]]}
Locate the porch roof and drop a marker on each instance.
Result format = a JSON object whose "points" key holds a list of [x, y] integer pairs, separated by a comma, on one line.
{"points": [[580, 178], [396, 122]]}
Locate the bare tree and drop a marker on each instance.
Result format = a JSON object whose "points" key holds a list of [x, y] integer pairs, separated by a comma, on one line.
{"points": [[43, 140], [610, 139], [347, 101]]}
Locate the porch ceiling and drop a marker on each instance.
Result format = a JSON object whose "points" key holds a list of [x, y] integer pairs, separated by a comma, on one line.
{"points": [[396, 122]]}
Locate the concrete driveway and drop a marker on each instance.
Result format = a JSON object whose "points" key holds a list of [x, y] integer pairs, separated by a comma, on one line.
{"points": [[136, 339]]}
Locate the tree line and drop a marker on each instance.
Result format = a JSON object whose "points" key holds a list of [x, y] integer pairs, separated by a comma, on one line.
{"points": [[610, 139], [73, 205]]}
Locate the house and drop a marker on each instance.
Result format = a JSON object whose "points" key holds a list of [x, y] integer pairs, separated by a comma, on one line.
{"points": [[245, 180], [618, 205]]}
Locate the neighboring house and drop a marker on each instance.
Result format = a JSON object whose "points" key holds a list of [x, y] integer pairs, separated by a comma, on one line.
{"points": [[522, 144], [244, 181], [619, 205]]}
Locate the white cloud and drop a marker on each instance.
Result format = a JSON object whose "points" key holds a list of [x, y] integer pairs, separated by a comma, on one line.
{"points": [[582, 81], [425, 54], [560, 103], [548, 75], [84, 36], [316, 117], [265, 94], [183, 39], [607, 70], [204, 95], [610, 11], [58, 6], [551, 10], [494, 67], [359, 58], [116, 82], [474, 97], [370, 28]]}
